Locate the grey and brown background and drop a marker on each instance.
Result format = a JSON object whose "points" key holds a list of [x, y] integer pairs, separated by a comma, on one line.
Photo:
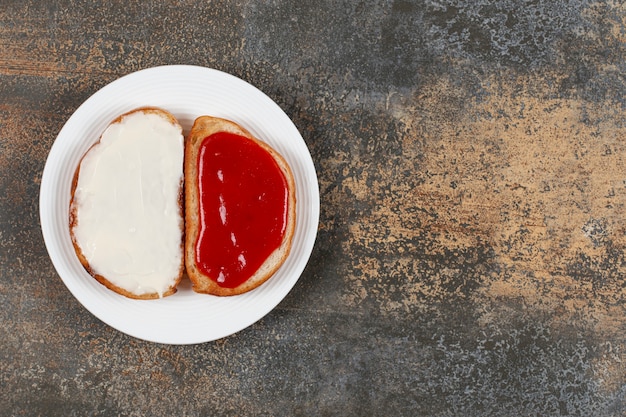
{"points": [[470, 259]]}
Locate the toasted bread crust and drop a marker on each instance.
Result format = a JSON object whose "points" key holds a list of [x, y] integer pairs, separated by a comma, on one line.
{"points": [[73, 218], [203, 127]]}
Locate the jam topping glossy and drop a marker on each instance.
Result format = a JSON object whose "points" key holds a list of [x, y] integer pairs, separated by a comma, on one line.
{"points": [[243, 203]]}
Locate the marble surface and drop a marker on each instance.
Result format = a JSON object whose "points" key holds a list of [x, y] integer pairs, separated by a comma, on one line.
{"points": [[470, 258]]}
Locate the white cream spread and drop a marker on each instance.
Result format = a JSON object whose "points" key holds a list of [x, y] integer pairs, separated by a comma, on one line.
{"points": [[128, 220]]}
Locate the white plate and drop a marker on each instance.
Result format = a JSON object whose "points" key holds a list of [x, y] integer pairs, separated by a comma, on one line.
{"points": [[187, 92]]}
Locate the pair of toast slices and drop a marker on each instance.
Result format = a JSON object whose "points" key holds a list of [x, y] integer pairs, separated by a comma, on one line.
{"points": [[149, 204]]}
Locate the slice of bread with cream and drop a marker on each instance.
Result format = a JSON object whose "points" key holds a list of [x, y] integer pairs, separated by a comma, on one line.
{"points": [[126, 209]]}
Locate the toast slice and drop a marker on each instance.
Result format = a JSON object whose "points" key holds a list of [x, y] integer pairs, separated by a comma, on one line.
{"points": [[230, 246], [126, 208]]}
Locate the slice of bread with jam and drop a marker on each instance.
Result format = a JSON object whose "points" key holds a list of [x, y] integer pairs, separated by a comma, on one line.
{"points": [[240, 208]]}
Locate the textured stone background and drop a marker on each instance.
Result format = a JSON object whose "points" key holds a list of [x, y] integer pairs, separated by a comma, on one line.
{"points": [[471, 252]]}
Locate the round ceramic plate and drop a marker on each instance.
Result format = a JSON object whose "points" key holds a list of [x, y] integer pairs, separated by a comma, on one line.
{"points": [[187, 92]]}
